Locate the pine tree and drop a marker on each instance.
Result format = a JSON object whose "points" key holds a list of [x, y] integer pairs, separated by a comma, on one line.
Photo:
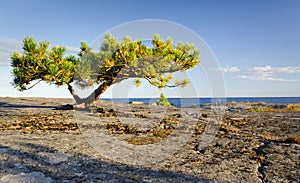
{"points": [[113, 63]]}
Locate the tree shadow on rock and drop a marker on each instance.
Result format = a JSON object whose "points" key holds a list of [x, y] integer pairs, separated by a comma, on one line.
{"points": [[21, 106], [80, 167]]}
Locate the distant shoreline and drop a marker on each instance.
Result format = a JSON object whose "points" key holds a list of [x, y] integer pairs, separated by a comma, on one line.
{"points": [[186, 102]]}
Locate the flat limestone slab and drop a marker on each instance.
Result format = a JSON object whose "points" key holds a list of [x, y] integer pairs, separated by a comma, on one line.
{"points": [[55, 158], [33, 177]]}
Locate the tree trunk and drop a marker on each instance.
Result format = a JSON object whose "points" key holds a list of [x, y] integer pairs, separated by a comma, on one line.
{"points": [[94, 96]]}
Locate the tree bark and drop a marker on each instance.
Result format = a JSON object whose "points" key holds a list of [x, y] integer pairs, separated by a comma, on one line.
{"points": [[95, 95]]}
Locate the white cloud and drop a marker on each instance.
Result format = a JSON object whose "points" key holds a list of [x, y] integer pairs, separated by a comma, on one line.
{"points": [[288, 69], [7, 47], [269, 73], [230, 69], [71, 49]]}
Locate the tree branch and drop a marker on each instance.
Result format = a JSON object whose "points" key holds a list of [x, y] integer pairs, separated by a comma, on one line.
{"points": [[34, 84]]}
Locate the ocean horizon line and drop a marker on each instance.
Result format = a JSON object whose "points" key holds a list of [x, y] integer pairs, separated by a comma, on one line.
{"points": [[6, 96], [185, 102]]}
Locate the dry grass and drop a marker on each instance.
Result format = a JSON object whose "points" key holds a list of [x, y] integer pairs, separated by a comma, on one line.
{"points": [[288, 108], [268, 136], [293, 140], [142, 136]]}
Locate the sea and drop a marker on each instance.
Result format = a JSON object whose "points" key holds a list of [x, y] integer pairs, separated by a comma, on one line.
{"points": [[187, 102]]}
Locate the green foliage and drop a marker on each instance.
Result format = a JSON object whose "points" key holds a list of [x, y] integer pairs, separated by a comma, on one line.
{"points": [[113, 63], [138, 82], [39, 63], [163, 100]]}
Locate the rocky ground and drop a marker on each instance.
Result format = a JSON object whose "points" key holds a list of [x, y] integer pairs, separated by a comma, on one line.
{"points": [[46, 140]]}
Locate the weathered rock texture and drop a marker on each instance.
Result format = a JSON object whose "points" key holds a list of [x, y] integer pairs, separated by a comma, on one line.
{"points": [[41, 139]]}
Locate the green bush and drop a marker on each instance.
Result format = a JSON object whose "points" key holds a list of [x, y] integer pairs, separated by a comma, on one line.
{"points": [[163, 100]]}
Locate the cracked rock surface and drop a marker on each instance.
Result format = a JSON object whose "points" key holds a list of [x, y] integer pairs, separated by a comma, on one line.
{"points": [[40, 140]]}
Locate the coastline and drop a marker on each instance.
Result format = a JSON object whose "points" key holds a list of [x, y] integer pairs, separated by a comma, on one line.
{"points": [[248, 146], [188, 102]]}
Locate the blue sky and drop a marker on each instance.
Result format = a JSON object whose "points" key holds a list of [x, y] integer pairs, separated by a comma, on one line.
{"points": [[255, 42]]}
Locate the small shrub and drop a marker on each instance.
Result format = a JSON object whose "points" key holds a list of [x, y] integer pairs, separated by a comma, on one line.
{"points": [[163, 100]]}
